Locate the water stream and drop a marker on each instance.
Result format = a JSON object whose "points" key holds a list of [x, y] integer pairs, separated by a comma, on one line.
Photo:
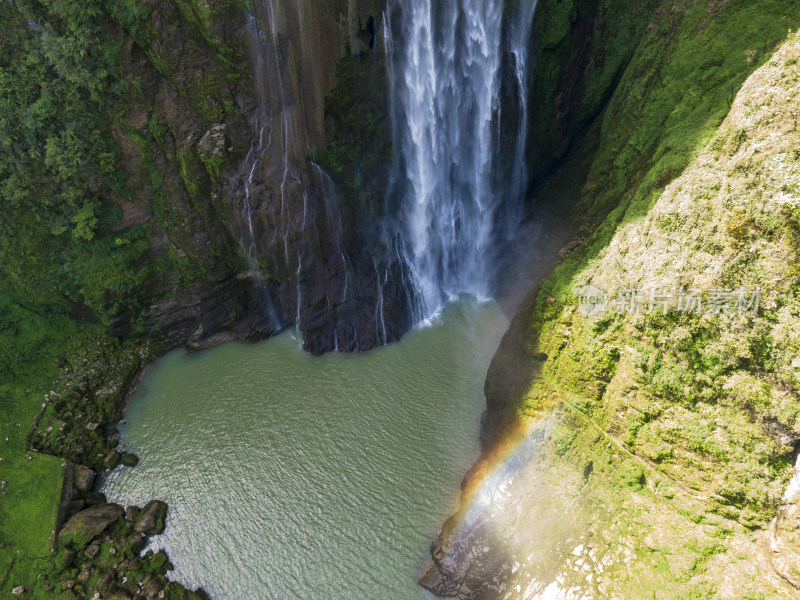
{"points": [[460, 173], [295, 477], [458, 75]]}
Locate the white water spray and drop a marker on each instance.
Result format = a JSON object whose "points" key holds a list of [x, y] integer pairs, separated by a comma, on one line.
{"points": [[444, 67]]}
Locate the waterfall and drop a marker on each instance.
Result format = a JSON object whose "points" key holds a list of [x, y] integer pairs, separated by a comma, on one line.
{"points": [[351, 275], [458, 187]]}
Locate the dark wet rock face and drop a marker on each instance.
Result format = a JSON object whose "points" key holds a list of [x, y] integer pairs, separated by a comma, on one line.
{"points": [[472, 569], [310, 225], [249, 235]]}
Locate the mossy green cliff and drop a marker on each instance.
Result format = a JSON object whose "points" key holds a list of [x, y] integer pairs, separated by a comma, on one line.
{"points": [[658, 443]]}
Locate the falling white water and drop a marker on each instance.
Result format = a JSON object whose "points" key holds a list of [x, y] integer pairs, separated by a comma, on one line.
{"points": [[380, 321], [444, 66], [248, 239], [458, 73], [346, 278]]}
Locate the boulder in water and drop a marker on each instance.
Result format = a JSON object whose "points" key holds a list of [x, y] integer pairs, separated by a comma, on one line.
{"points": [[151, 520], [130, 460], [84, 479]]}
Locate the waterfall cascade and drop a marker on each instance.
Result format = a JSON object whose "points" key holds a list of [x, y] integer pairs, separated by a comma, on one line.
{"points": [[459, 131], [457, 73]]}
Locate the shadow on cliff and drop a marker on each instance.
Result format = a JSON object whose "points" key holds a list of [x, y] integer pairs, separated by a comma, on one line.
{"points": [[470, 558], [560, 231]]}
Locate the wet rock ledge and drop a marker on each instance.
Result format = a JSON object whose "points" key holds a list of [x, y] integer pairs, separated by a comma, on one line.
{"points": [[98, 548], [97, 545]]}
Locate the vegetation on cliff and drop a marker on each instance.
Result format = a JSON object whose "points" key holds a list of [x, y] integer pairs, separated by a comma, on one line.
{"points": [[668, 426], [360, 150], [79, 171], [59, 69], [87, 194], [581, 50]]}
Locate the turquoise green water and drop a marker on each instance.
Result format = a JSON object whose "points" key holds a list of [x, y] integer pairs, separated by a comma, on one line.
{"points": [[290, 476]]}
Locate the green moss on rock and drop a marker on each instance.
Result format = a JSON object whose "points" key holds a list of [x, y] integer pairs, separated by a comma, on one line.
{"points": [[86, 525], [358, 154]]}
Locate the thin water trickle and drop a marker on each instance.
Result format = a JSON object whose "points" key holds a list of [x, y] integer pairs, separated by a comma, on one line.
{"points": [[253, 156], [299, 291], [346, 278]]}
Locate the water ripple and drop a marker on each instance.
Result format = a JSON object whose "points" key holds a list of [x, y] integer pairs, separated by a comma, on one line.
{"points": [[290, 476]]}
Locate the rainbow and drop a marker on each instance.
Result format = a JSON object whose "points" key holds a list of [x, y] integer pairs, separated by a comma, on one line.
{"points": [[485, 485]]}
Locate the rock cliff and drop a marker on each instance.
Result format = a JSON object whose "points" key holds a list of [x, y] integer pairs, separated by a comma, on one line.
{"points": [[248, 233], [641, 428]]}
